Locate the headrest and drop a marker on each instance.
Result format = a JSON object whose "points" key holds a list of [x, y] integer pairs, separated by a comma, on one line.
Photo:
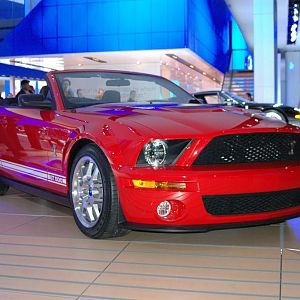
{"points": [[111, 96]]}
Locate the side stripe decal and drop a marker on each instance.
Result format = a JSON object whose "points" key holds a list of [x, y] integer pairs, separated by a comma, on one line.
{"points": [[33, 172]]}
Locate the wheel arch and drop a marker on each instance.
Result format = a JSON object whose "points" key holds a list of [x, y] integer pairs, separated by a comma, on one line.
{"points": [[79, 144]]}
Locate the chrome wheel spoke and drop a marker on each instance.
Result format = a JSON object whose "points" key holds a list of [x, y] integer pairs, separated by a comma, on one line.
{"points": [[95, 174], [90, 215], [96, 210]]}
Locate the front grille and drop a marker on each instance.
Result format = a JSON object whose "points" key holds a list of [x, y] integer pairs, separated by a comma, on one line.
{"points": [[250, 148], [226, 205]]}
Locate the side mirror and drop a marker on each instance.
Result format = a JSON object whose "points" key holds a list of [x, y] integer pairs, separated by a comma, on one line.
{"points": [[34, 101]]}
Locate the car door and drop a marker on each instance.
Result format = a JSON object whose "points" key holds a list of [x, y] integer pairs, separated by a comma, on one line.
{"points": [[24, 145]]}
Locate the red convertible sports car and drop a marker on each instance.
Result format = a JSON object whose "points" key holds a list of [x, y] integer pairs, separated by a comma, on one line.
{"points": [[129, 151]]}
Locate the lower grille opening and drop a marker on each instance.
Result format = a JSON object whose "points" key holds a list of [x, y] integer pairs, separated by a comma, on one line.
{"points": [[236, 204]]}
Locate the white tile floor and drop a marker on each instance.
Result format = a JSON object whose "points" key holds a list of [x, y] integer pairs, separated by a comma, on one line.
{"points": [[44, 256]]}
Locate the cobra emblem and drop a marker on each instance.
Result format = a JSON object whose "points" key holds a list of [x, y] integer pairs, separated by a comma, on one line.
{"points": [[292, 147]]}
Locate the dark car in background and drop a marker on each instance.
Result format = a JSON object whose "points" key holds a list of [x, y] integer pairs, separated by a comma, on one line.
{"points": [[285, 113]]}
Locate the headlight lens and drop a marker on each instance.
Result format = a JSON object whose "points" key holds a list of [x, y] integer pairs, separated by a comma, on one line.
{"points": [[155, 153], [159, 153]]}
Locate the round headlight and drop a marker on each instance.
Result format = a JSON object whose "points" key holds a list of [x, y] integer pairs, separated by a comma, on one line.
{"points": [[155, 153]]}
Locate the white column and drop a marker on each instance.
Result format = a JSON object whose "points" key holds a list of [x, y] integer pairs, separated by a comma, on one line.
{"points": [[265, 51], [279, 79], [292, 77]]}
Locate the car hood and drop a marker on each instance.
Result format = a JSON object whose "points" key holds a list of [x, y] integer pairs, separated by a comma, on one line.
{"points": [[181, 119]]}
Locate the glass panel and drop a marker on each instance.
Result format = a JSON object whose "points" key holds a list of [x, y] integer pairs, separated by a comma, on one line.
{"points": [[88, 88]]}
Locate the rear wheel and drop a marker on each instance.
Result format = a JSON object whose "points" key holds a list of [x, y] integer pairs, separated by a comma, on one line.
{"points": [[3, 189], [93, 194]]}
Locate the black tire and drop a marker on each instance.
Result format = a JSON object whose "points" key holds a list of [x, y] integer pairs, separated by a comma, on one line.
{"points": [[3, 188], [280, 114], [106, 225]]}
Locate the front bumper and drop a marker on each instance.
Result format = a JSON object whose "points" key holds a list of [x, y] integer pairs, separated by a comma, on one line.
{"points": [[139, 205], [202, 227]]}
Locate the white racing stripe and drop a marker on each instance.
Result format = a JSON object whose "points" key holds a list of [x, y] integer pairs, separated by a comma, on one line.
{"points": [[33, 172]]}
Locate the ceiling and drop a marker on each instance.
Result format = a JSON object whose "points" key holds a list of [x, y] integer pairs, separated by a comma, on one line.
{"points": [[243, 13]]}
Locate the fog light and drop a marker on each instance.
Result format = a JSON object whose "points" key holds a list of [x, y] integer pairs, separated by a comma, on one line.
{"points": [[164, 209]]}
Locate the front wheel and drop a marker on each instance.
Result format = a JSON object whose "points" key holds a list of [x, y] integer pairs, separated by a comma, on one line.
{"points": [[93, 194], [275, 114], [3, 188]]}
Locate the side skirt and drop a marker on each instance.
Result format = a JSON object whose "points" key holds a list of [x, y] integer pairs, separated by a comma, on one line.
{"points": [[59, 199]]}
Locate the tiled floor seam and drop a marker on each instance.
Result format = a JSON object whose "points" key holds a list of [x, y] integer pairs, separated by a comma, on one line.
{"points": [[54, 257], [192, 291], [20, 225], [150, 275], [34, 215], [201, 278], [38, 292], [205, 255], [202, 267], [140, 251], [49, 268], [151, 264], [92, 271], [99, 275], [58, 247], [43, 279]]}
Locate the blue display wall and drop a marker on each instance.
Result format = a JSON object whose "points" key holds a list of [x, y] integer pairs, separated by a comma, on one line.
{"points": [[209, 31], [11, 10], [73, 26]]}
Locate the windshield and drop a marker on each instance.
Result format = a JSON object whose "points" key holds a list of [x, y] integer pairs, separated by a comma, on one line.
{"points": [[80, 89], [235, 97]]}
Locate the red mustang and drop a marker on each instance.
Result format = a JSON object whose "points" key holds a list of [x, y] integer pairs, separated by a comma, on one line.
{"points": [[132, 151]]}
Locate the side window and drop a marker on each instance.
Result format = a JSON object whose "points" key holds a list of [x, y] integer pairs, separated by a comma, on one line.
{"points": [[212, 99], [224, 101]]}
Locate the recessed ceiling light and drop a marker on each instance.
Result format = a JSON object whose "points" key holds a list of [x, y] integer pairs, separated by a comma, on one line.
{"points": [[95, 59]]}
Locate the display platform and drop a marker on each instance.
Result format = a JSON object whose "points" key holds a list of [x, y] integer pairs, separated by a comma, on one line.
{"points": [[44, 256]]}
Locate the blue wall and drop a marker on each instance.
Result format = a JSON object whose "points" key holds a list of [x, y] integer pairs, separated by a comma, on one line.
{"points": [[239, 48], [65, 26], [209, 31], [73, 26], [11, 10]]}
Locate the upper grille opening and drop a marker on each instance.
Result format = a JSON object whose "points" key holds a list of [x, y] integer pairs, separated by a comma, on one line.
{"points": [[250, 148]]}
